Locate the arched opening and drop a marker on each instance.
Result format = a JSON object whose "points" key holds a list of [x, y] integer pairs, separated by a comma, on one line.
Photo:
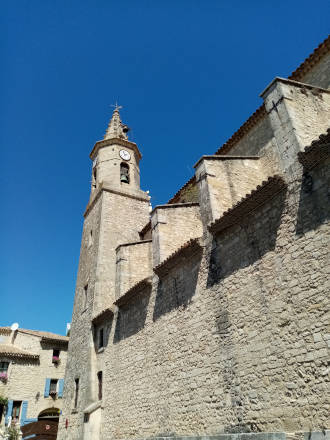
{"points": [[124, 173], [49, 414], [94, 177]]}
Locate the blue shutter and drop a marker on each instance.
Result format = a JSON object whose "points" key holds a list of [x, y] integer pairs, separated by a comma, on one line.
{"points": [[47, 387], [24, 412], [60, 387], [9, 411]]}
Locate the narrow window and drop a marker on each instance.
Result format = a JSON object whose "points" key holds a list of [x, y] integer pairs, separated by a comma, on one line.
{"points": [[90, 238], [101, 338], [56, 356], [94, 177], [4, 371], [124, 173], [53, 387], [86, 418], [85, 297], [100, 384], [76, 392], [4, 367], [16, 411]]}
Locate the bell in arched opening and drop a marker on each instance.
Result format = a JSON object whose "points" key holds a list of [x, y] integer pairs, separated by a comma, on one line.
{"points": [[124, 173]]}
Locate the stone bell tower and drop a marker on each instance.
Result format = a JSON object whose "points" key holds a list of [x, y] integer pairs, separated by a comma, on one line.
{"points": [[117, 210], [123, 206]]}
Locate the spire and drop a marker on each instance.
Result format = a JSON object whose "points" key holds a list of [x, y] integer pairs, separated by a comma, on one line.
{"points": [[116, 129]]}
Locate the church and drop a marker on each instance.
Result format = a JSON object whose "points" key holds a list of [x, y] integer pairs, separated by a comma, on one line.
{"points": [[208, 317]]}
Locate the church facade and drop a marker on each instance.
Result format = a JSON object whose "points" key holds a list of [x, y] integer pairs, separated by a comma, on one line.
{"points": [[209, 316]]}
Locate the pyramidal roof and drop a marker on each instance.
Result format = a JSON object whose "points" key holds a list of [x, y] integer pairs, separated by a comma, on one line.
{"points": [[116, 129]]}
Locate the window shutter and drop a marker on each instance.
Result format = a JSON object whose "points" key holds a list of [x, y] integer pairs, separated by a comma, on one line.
{"points": [[9, 411], [24, 412], [60, 387], [47, 386]]}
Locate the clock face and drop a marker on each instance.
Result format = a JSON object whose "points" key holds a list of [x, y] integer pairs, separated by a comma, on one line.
{"points": [[124, 154]]}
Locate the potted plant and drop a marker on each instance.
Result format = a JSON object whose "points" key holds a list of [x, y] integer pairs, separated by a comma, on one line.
{"points": [[3, 377], [56, 360]]}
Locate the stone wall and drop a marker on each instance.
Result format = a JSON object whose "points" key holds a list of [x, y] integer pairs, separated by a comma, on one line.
{"points": [[172, 226], [224, 180], [234, 336], [247, 352], [133, 264]]}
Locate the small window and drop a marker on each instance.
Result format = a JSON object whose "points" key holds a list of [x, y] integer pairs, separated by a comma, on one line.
{"points": [[76, 392], [4, 367], [100, 384], [86, 418], [90, 238], [85, 299], [124, 173], [53, 387], [101, 338], [15, 414], [56, 356], [94, 177]]}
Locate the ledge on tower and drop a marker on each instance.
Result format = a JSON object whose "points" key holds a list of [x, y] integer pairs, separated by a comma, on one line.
{"points": [[317, 152], [134, 291], [182, 253], [267, 190]]}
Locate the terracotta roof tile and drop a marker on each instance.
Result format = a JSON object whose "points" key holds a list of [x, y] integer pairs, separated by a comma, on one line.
{"points": [[16, 352], [268, 189], [298, 74], [40, 334], [313, 58], [102, 316], [141, 285], [316, 152], [5, 330], [186, 249]]}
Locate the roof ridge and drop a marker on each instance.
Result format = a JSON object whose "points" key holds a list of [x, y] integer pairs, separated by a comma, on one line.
{"points": [[302, 69]]}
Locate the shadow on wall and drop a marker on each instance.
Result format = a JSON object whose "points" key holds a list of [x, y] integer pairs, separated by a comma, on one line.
{"points": [[178, 287], [240, 246], [314, 199], [131, 317], [106, 326]]}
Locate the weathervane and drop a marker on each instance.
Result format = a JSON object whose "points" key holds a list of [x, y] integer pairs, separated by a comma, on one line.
{"points": [[116, 106]]}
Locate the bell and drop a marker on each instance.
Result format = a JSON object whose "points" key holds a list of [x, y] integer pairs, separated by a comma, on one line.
{"points": [[124, 178]]}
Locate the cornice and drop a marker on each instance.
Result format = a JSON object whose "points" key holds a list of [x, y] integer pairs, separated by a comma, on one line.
{"points": [[133, 291], [185, 251], [224, 157], [103, 187], [252, 201], [133, 243], [115, 141]]}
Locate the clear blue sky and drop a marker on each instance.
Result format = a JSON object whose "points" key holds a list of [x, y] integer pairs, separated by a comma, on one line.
{"points": [[188, 74]]}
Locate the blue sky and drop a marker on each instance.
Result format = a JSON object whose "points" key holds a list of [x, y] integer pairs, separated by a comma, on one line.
{"points": [[188, 74]]}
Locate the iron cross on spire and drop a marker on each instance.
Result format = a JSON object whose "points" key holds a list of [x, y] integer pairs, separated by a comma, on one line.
{"points": [[116, 106]]}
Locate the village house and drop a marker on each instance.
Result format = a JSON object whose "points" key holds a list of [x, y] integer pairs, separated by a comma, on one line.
{"points": [[32, 365]]}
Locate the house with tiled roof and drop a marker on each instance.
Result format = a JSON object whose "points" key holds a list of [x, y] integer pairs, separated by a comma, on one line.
{"points": [[32, 365]]}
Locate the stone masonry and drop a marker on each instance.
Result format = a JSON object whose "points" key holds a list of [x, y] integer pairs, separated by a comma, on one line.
{"points": [[209, 317]]}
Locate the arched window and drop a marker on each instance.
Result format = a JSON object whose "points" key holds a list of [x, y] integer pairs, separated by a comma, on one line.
{"points": [[50, 414], [124, 173]]}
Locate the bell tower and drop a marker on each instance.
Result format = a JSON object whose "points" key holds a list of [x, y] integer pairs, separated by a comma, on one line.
{"points": [[117, 207], [117, 210], [115, 158]]}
